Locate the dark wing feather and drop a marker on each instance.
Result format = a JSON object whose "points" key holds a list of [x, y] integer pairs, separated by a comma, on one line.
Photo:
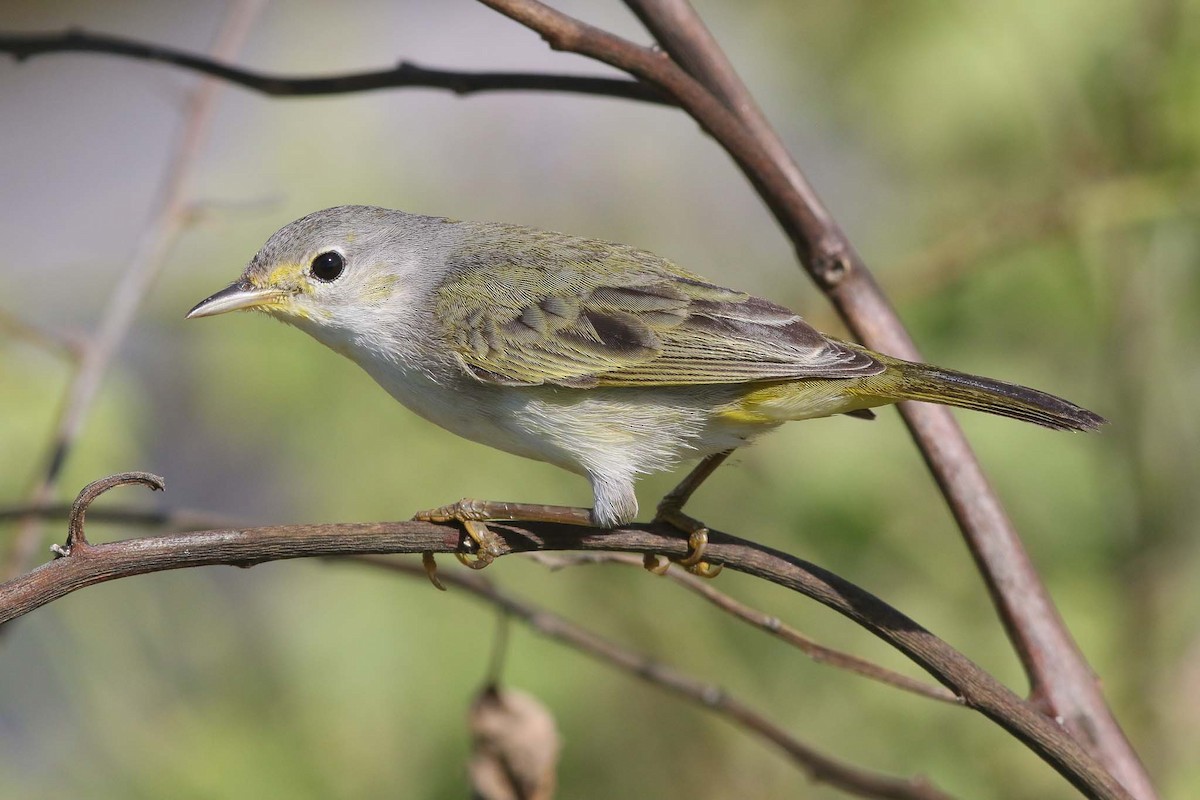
{"points": [[524, 307]]}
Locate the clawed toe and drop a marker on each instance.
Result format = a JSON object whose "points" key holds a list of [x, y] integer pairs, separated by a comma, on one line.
{"points": [[694, 561], [430, 565], [697, 533], [655, 563], [477, 561], [704, 569], [697, 544], [487, 545]]}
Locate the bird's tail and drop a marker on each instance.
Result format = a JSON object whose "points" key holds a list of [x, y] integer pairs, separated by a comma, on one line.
{"points": [[906, 380]]}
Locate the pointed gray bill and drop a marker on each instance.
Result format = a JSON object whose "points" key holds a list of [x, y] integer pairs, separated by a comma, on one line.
{"points": [[234, 297]]}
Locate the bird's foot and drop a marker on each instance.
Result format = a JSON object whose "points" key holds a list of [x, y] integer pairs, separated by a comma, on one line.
{"points": [[697, 533], [471, 514]]}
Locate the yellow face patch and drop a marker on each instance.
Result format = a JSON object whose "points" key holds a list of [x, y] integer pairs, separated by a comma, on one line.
{"points": [[290, 276], [292, 279], [282, 307]]}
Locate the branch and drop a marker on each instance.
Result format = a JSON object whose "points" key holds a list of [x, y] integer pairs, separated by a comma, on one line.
{"points": [[172, 519], [711, 92], [819, 766], [198, 520], [92, 564], [404, 75], [63, 344]]}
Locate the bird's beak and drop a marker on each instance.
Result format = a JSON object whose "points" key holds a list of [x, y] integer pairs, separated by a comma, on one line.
{"points": [[235, 297]]}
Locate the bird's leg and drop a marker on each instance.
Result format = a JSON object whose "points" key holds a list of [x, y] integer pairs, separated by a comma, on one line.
{"points": [[670, 511], [474, 514]]}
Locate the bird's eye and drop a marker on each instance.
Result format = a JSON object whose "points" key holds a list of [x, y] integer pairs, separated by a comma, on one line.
{"points": [[328, 267]]}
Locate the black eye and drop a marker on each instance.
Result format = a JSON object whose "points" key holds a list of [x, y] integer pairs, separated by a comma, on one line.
{"points": [[328, 266]]}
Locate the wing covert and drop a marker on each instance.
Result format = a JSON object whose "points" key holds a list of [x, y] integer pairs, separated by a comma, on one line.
{"points": [[572, 312]]}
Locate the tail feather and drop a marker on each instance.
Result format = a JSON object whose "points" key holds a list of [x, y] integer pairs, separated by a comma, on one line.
{"points": [[936, 385]]}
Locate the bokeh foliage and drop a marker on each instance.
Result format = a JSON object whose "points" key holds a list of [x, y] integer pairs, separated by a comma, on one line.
{"points": [[1022, 176]]}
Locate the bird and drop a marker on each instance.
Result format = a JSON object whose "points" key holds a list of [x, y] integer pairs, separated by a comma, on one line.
{"points": [[601, 358]]}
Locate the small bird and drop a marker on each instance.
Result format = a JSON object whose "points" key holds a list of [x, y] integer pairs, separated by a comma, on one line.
{"points": [[606, 360]]}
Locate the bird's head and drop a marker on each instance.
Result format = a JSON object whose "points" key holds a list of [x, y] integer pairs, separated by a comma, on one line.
{"points": [[339, 273]]}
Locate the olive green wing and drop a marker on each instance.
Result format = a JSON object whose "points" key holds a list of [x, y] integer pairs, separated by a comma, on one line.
{"points": [[538, 308]]}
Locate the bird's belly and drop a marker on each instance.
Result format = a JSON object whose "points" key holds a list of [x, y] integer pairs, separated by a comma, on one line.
{"points": [[588, 431], [478, 413]]}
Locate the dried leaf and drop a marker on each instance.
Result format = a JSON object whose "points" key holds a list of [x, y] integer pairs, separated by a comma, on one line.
{"points": [[515, 747]]}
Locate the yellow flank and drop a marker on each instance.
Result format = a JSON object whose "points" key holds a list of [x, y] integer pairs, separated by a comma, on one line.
{"points": [[773, 403]]}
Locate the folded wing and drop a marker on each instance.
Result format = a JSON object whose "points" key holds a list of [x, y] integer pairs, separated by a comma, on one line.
{"points": [[574, 312]]}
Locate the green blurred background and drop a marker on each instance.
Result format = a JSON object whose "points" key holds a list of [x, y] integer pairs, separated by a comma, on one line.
{"points": [[1022, 177]]}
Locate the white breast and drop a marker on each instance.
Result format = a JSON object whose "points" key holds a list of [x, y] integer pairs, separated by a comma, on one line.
{"points": [[615, 431]]}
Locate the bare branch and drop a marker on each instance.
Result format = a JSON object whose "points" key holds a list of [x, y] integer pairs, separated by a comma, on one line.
{"points": [[405, 75], [248, 546], [196, 520], [17, 328], [819, 766], [173, 519]]}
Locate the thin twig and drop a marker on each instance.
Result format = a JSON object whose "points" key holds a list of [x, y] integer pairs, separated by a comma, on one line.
{"points": [[156, 240], [766, 622], [76, 536], [819, 766], [172, 519], [14, 327], [404, 75], [249, 546], [1059, 676]]}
